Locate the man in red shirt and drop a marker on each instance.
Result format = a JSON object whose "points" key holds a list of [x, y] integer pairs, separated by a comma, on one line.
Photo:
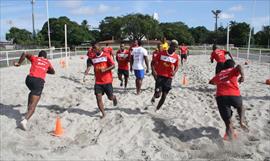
{"points": [[40, 66], [108, 49], [183, 52], [165, 67], [103, 65], [154, 55], [90, 54], [228, 94], [220, 57], [123, 57]]}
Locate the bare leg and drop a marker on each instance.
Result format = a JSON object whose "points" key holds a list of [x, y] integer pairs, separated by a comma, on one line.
{"points": [[229, 129], [156, 95], [138, 86], [32, 103], [121, 79], [100, 104], [126, 81], [162, 100], [113, 98], [87, 70], [240, 112]]}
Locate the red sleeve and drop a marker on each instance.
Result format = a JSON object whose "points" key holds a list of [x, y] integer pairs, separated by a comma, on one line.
{"points": [[215, 79], [212, 55], [176, 64], [110, 60], [235, 72], [31, 58]]}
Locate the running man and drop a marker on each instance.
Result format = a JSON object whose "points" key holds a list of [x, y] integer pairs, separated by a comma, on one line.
{"points": [[40, 66], [103, 65], [228, 94], [108, 49], [220, 57], [167, 64], [154, 55], [138, 56], [183, 52], [90, 54], [123, 57], [164, 45]]}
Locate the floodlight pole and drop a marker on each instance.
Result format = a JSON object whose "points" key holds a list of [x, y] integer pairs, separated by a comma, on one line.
{"points": [[33, 18], [49, 33], [228, 36], [216, 13]]}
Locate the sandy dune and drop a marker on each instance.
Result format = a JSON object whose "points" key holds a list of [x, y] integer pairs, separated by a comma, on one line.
{"points": [[187, 127]]}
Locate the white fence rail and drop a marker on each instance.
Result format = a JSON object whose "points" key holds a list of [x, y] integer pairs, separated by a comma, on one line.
{"points": [[7, 57]]}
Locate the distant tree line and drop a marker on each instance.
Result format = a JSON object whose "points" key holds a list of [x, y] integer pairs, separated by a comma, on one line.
{"points": [[137, 26]]}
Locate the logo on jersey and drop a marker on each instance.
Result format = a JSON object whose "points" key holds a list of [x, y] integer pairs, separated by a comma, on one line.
{"points": [[167, 59], [99, 60]]}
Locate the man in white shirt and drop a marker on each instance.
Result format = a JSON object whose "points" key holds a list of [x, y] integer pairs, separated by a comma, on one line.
{"points": [[138, 56]]}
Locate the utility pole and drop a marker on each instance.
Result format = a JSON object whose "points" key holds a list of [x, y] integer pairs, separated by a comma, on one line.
{"points": [[33, 18], [48, 22], [216, 13]]}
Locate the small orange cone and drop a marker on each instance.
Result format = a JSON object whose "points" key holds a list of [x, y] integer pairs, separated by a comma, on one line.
{"points": [[225, 137], [184, 81], [58, 128], [81, 57]]}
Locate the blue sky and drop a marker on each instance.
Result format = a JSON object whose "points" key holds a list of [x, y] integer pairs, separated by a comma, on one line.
{"points": [[192, 12]]}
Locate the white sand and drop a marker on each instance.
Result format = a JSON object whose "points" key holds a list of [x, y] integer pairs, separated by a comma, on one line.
{"points": [[187, 127]]}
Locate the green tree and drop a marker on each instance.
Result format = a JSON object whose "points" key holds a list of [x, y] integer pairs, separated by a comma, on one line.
{"points": [[262, 38], [110, 28], [76, 33], [239, 33], [19, 36], [178, 31], [199, 34]]}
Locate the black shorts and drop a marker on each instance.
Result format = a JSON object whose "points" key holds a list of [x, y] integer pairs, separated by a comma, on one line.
{"points": [[224, 105], [123, 72], [183, 56], [89, 62], [35, 85], [163, 84], [219, 67], [104, 88]]}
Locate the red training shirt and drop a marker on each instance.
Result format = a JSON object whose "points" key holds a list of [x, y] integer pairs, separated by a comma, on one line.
{"points": [[104, 60], [108, 49], [226, 82], [123, 59], [219, 55], [90, 53], [39, 67], [183, 49], [154, 55], [165, 64]]}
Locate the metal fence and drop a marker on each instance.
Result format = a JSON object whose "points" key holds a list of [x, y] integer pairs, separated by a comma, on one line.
{"points": [[8, 57]]}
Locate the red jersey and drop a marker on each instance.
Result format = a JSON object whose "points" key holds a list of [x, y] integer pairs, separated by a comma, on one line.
{"points": [[183, 49], [219, 55], [108, 49], [90, 53], [226, 82], [39, 67], [123, 59], [166, 64], [104, 60], [154, 55]]}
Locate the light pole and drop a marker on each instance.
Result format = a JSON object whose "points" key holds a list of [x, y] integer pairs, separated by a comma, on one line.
{"points": [[48, 20], [216, 13], [33, 18]]}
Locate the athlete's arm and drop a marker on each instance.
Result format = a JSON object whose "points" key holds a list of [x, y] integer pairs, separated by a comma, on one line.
{"points": [[176, 68], [229, 54], [51, 70], [22, 58], [146, 63], [241, 71], [131, 62], [108, 69]]}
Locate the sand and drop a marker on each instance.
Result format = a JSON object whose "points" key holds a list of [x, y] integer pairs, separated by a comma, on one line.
{"points": [[188, 127]]}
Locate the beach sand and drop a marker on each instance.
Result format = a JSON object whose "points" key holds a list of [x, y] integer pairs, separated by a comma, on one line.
{"points": [[188, 126]]}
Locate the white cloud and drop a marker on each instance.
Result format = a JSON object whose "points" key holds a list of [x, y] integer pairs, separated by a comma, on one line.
{"points": [[236, 8], [258, 22], [86, 10], [224, 15]]}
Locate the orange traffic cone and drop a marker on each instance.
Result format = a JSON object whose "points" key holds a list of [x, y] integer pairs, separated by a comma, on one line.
{"points": [[225, 137], [58, 128], [184, 81]]}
